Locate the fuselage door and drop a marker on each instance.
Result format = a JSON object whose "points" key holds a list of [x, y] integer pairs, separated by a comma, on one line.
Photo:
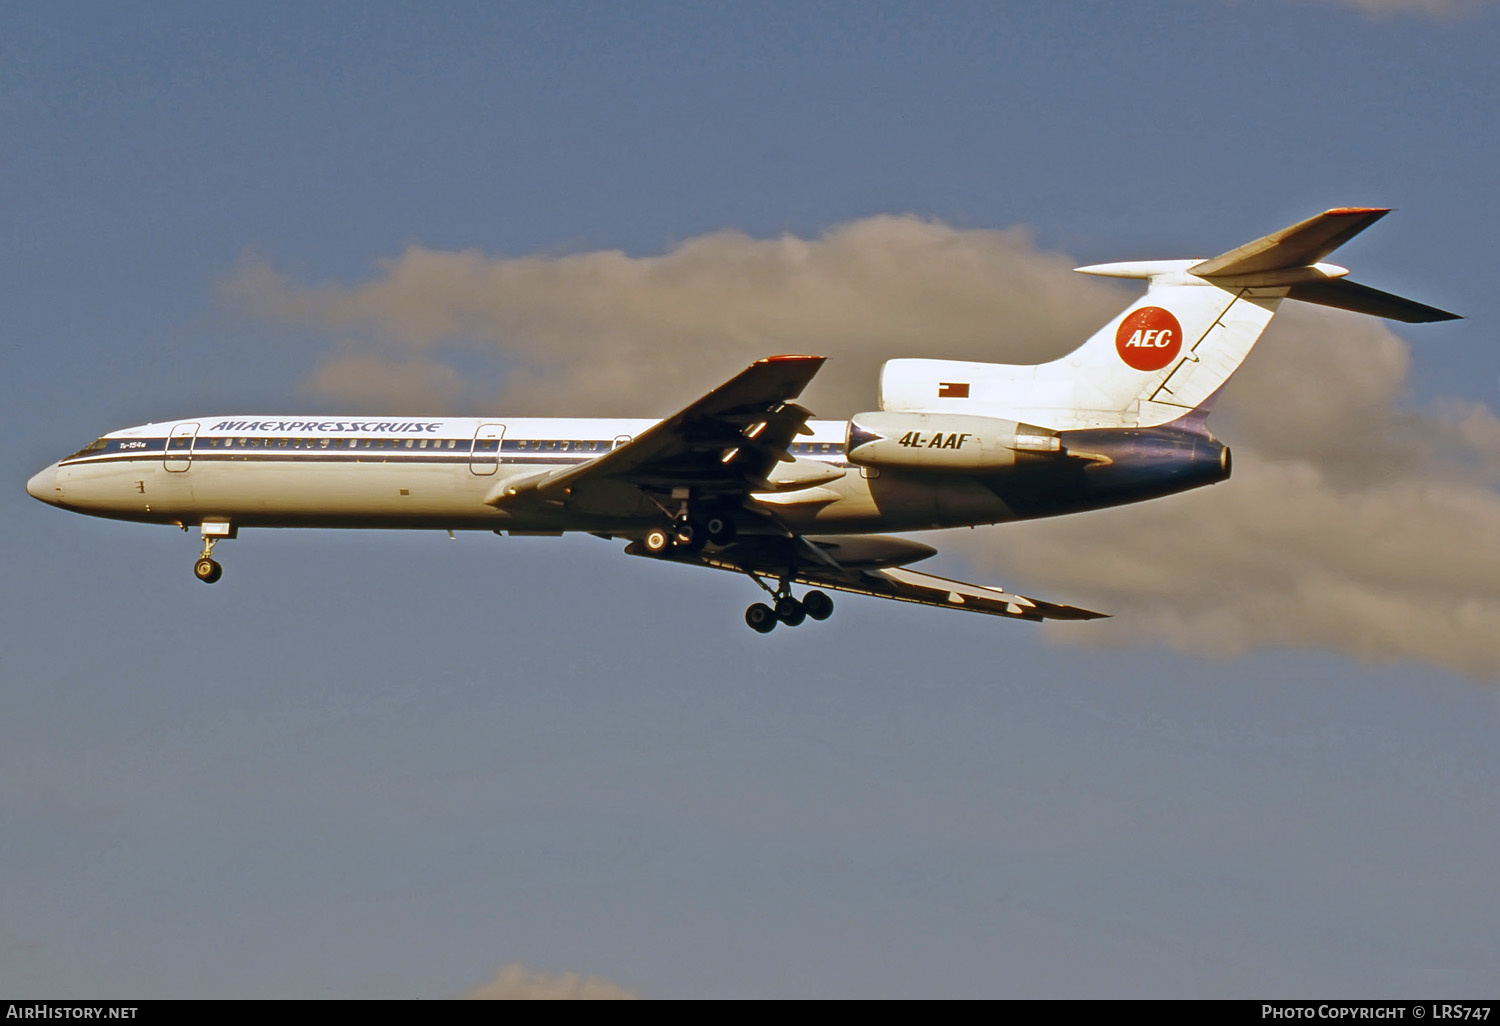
{"points": [[484, 456], [180, 447]]}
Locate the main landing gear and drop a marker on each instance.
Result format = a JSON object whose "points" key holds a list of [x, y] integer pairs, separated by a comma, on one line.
{"points": [[699, 523], [788, 610], [690, 532]]}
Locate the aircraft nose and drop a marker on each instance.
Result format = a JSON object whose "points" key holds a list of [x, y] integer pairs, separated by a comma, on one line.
{"points": [[44, 485]]}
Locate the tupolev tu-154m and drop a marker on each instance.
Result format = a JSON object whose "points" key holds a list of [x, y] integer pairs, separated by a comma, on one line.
{"points": [[743, 479]]}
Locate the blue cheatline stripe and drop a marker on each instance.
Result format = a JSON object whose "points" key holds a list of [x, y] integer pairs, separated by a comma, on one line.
{"points": [[126, 450], [363, 456], [294, 456]]}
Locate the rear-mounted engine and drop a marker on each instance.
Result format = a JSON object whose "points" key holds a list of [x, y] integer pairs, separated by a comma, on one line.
{"points": [[947, 442]]}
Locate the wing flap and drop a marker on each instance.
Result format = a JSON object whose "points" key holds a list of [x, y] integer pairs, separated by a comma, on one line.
{"points": [[929, 589], [877, 577]]}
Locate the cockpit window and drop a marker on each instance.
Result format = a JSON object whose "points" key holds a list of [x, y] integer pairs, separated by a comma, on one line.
{"points": [[97, 445]]}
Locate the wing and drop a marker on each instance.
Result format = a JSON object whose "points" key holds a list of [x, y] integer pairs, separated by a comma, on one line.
{"points": [[870, 565], [726, 443]]}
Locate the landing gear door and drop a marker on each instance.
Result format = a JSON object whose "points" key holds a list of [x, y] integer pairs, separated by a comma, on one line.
{"points": [[180, 447], [484, 456]]}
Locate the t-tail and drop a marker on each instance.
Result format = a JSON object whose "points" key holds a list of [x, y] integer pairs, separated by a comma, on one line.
{"points": [[1167, 355]]}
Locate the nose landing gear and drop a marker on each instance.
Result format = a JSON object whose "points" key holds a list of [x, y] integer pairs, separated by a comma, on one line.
{"points": [[207, 569]]}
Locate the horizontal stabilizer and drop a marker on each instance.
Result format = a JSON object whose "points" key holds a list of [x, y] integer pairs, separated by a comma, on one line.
{"points": [[1301, 245], [1347, 295]]}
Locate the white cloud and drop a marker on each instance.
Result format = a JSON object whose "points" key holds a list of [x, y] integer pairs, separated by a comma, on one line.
{"points": [[1351, 522], [517, 983], [1431, 8], [621, 335], [390, 386]]}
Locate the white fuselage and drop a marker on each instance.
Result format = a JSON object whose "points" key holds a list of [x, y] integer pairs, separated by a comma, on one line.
{"points": [[437, 472]]}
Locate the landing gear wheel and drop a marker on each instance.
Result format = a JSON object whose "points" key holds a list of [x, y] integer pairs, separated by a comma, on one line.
{"points": [[207, 570], [688, 536], [818, 605], [789, 611], [657, 541], [761, 618], [720, 529]]}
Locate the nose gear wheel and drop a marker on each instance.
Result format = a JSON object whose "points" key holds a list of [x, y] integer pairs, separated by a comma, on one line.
{"points": [[207, 569]]}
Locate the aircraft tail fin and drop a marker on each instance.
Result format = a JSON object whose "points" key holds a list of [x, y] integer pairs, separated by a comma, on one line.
{"points": [[1169, 353]]}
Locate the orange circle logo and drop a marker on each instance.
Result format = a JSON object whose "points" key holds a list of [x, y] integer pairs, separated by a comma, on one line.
{"points": [[1149, 339]]}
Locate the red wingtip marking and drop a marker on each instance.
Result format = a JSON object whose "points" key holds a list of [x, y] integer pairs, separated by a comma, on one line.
{"points": [[1358, 210], [789, 356]]}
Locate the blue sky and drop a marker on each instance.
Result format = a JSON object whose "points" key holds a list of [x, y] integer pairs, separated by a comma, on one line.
{"points": [[387, 764]]}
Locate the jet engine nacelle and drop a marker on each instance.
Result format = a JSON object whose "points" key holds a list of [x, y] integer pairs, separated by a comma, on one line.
{"points": [[944, 441]]}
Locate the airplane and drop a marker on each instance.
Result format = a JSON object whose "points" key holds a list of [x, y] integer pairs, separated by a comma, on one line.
{"points": [[744, 479]]}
